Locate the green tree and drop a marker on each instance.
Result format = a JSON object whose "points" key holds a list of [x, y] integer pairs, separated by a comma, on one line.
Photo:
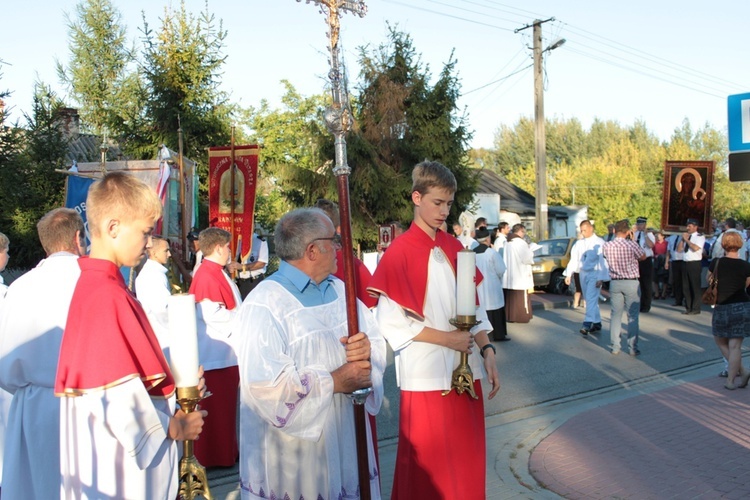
{"points": [[36, 187], [403, 119], [182, 68], [100, 75], [291, 156]]}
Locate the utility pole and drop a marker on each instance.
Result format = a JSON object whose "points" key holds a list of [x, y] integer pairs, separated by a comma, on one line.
{"points": [[540, 138]]}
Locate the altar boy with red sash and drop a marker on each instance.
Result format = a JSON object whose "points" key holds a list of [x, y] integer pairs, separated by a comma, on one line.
{"points": [[217, 301], [441, 446], [118, 427]]}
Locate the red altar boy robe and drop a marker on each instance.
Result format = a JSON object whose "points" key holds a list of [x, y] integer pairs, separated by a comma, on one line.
{"points": [[217, 302], [441, 446], [117, 394]]}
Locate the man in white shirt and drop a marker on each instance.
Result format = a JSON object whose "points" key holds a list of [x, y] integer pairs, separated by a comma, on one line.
{"points": [[152, 288], [253, 268], [692, 246], [490, 290], [502, 237], [29, 346], [587, 258], [717, 251], [646, 240]]}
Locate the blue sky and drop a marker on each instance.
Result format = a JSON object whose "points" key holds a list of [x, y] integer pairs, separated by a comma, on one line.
{"points": [[659, 61]]}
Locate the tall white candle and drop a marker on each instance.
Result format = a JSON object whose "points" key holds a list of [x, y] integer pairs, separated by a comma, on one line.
{"points": [[183, 340], [466, 288]]}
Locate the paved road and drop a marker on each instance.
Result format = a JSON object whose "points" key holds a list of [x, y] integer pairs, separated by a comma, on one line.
{"points": [[548, 359], [550, 373]]}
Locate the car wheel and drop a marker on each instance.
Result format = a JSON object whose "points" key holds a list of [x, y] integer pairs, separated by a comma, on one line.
{"points": [[557, 283]]}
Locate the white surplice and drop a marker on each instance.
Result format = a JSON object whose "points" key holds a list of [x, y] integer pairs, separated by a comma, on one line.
{"points": [[518, 261], [127, 431], [217, 329], [29, 346], [421, 366], [297, 436], [490, 290], [152, 291]]}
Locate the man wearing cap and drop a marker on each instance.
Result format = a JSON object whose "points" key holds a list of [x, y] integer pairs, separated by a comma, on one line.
{"points": [[646, 240], [692, 248]]}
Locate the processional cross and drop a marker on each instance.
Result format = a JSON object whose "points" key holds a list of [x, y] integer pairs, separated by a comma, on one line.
{"points": [[338, 120]]}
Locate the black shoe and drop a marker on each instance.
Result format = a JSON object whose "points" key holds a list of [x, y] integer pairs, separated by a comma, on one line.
{"points": [[645, 310], [635, 352], [584, 331], [595, 327], [504, 339], [724, 374], [685, 312]]}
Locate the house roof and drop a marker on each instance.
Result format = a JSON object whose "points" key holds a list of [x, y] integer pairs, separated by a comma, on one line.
{"points": [[512, 198], [85, 148]]}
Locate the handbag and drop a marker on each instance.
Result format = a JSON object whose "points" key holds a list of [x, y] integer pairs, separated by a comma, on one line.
{"points": [[711, 294]]}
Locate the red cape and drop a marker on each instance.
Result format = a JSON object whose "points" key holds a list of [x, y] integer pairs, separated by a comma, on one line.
{"points": [[402, 272], [108, 340], [210, 283], [362, 275]]}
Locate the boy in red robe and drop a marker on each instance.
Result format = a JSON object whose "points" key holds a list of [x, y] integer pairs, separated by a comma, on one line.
{"points": [[441, 447], [217, 301], [118, 427]]}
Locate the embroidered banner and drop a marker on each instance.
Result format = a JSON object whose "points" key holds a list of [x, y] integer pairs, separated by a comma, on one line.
{"points": [[231, 198]]}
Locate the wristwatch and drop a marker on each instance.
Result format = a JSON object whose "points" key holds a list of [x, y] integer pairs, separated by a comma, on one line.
{"points": [[488, 345]]}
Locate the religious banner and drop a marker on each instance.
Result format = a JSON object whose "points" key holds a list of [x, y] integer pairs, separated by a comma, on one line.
{"points": [[687, 194], [231, 198], [77, 189]]}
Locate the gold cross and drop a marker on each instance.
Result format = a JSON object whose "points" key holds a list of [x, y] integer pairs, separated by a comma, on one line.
{"points": [[332, 8]]}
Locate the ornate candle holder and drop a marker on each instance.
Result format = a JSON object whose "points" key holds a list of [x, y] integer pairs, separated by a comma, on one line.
{"points": [[463, 378], [193, 481]]}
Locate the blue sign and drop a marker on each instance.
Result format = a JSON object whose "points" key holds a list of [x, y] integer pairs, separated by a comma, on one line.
{"points": [[738, 110]]}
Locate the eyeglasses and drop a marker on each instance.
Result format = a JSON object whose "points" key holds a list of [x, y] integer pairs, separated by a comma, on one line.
{"points": [[335, 239]]}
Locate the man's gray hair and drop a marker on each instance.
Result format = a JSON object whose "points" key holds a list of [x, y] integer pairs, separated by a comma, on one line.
{"points": [[297, 229]]}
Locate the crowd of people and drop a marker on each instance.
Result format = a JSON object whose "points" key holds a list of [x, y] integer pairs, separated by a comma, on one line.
{"points": [[90, 401]]}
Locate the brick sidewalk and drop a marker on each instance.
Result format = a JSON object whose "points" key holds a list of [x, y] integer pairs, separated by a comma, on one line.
{"points": [[688, 441]]}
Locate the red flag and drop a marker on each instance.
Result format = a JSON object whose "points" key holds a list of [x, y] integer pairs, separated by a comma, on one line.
{"points": [[220, 200]]}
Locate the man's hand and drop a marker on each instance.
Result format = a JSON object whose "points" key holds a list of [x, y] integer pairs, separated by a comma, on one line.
{"points": [[185, 426], [233, 267], [492, 375], [357, 347], [352, 376], [460, 341], [567, 280], [201, 382]]}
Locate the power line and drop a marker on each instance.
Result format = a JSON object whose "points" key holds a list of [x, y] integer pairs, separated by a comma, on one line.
{"points": [[646, 55], [447, 15], [498, 80]]}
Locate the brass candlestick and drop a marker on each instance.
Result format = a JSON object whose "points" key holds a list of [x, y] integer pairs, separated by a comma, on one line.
{"points": [[463, 378], [193, 481]]}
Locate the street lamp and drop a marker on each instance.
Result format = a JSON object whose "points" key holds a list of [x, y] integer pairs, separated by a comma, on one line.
{"points": [[540, 151]]}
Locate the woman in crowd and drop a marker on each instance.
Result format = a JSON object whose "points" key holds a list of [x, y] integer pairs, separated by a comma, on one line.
{"points": [[731, 318], [661, 273]]}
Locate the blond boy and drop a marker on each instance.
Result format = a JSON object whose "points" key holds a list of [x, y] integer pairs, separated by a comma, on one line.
{"points": [[118, 429], [416, 284]]}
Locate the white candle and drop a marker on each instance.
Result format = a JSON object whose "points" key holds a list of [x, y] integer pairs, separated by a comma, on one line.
{"points": [[183, 340], [466, 288]]}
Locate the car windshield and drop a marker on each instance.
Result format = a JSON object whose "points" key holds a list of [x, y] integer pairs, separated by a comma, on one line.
{"points": [[552, 247]]}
